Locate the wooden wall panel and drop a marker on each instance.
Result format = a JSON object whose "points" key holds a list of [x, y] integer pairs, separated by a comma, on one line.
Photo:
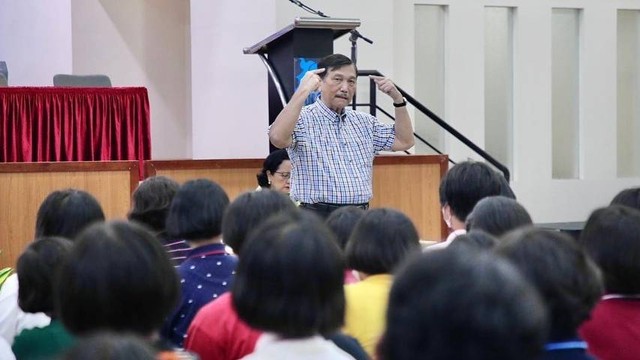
{"points": [[24, 186]]}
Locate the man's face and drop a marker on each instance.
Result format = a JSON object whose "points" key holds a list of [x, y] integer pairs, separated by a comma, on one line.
{"points": [[338, 87]]}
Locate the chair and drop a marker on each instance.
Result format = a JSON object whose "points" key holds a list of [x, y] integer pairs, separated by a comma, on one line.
{"points": [[81, 80]]}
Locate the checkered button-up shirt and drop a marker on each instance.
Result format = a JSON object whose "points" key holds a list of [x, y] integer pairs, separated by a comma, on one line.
{"points": [[332, 154]]}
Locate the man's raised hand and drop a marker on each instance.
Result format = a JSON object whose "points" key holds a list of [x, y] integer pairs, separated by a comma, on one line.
{"points": [[386, 86], [311, 80]]}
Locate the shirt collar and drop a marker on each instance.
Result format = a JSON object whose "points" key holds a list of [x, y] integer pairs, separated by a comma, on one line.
{"points": [[206, 250], [330, 114]]}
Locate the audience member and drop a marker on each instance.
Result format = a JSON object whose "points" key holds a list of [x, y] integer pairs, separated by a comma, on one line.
{"points": [[289, 284], [475, 240], [118, 278], [276, 172], [498, 215], [342, 222], [150, 206], [460, 190], [111, 346], [566, 278], [612, 237], [36, 268], [381, 240], [452, 305], [63, 213], [196, 216], [628, 197]]}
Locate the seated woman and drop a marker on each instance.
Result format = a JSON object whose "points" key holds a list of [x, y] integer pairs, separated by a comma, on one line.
{"points": [[381, 240], [289, 284], [276, 172], [133, 288], [36, 267], [497, 215]]}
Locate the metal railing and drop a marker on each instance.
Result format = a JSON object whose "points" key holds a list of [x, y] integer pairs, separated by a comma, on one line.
{"points": [[373, 108]]}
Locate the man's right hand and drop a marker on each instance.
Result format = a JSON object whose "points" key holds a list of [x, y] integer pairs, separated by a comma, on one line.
{"points": [[311, 80]]}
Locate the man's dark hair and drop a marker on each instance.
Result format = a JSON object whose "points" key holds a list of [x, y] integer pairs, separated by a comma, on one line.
{"points": [[248, 211], [612, 237], [564, 275], [196, 211], [467, 183], [343, 221], [333, 62], [381, 240], [117, 277], [628, 197], [36, 268], [289, 279], [462, 305], [498, 215], [65, 213], [152, 200]]}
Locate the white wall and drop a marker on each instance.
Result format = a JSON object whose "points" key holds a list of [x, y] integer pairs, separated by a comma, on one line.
{"points": [[35, 40], [229, 89]]}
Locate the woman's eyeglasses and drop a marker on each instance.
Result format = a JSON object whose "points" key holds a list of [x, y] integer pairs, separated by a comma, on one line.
{"points": [[284, 175]]}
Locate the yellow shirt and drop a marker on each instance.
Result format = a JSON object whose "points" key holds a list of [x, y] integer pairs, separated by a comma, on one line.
{"points": [[366, 310]]}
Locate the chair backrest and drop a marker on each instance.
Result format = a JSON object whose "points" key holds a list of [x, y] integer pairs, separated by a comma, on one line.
{"points": [[81, 80]]}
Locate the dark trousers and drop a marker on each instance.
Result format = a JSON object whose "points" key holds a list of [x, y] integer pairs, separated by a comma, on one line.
{"points": [[325, 209]]}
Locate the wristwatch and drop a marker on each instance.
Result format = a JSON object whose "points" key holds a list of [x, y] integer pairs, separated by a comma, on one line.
{"points": [[403, 103]]}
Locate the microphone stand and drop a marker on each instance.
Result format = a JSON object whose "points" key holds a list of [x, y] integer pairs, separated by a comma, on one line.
{"points": [[353, 38]]}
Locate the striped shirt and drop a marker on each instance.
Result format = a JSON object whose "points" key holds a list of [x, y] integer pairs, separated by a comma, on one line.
{"points": [[332, 154]]}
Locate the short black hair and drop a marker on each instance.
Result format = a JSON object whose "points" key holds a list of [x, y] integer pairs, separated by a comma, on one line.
{"points": [[474, 239], [498, 215], [628, 197], [196, 210], [248, 211], [333, 62], [151, 201], [462, 305], [467, 183], [117, 277], [36, 268], [343, 221], [109, 346], [564, 275], [271, 165], [612, 237], [66, 212], [381, 240], [289, 279]]}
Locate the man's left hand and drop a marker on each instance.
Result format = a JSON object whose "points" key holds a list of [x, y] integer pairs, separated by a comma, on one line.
{"points": [[388, 87]]}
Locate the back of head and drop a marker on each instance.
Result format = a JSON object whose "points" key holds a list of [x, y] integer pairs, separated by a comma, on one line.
{"points": [[566, 278], [381, 240], [498, 215], [271, 165], [110, 346], [117, 277], [289, 278], [612, 237], [474, 240], [151, 201], [343, 221], [36, 268], [628, 197], [248, 211], [467, 183], [196, 211], [65, 213], [449, 305]]}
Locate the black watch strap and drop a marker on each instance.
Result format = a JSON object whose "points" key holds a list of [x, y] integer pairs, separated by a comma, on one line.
{"points": [[403, 103]]}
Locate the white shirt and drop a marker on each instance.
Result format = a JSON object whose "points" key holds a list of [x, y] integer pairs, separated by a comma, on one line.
{"points": [[447, 242], [271, 347]]}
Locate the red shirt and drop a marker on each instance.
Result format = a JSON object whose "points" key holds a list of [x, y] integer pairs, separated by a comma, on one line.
{"points": [[613, 332], [217, 333]]}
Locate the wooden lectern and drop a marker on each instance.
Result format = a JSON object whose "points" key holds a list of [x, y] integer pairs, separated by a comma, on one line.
{"points": [[289, 52]]}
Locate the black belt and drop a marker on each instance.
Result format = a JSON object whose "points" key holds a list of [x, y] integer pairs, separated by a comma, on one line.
{"points": [[329, 207]]}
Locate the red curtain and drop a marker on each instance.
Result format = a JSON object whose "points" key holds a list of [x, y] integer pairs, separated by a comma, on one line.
{"points": [[74, 124]]}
